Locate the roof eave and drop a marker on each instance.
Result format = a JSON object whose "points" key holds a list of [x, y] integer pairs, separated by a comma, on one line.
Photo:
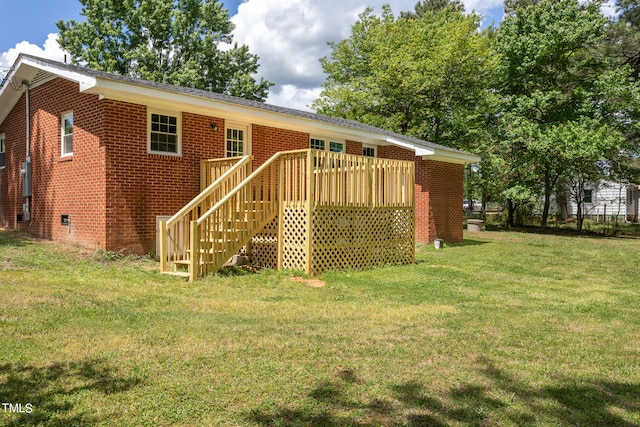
{"points": [[459, 157]]}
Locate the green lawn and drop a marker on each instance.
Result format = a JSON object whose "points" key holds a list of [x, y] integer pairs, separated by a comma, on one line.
{"points": [[506, 329]]}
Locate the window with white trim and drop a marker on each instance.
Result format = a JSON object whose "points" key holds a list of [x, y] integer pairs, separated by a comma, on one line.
{"points": [[66, 145], [164, 133], [321, 144], [3, 150], [236, 141], [369, 150]]}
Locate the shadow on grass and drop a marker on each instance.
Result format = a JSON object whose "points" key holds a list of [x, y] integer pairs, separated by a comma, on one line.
{"points": [[469, 242], [14, 238], [502, 399], [623, 232], [50, 391]]}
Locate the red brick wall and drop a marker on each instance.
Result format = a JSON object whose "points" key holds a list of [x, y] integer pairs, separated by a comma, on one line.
{"points": [[269, 140], [445, 186], [10, 186], [141, 186], [68, 186], [438, 196], [354, 147]]}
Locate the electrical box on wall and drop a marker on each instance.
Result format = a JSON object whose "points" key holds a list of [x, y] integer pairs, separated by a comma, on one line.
{"points": [[25, 172], [64, 219]]}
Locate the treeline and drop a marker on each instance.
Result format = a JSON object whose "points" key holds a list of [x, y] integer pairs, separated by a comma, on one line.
{"points": [[549, 99]]}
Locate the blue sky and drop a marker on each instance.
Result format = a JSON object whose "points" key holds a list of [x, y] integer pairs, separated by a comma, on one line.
{"points": [[34, 20]]}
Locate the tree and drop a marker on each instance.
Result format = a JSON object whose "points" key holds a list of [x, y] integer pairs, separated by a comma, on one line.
{"points": [[624, 35], [556, 113], [423, 77], [169, 41], [425, 6]]}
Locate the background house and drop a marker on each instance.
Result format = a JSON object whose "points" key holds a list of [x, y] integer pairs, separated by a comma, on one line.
{"points": [[103, 156]]}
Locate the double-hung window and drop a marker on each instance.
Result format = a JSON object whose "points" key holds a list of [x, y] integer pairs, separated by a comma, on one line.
{"points": [[237, 140], [164, 134], [588, 196], [3, 150], [66, 147], [324, 144], [369, 150]]}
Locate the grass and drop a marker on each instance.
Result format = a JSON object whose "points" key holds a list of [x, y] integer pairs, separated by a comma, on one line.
{"points": [[507, 328]]}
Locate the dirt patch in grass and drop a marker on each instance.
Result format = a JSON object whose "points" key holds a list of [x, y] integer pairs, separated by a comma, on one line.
{"points": [[314, 283]]}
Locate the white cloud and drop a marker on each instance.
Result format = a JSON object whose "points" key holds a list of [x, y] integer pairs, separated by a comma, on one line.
{"points": [[608, 8], [290, 36], [294, 97], [50, 50]]}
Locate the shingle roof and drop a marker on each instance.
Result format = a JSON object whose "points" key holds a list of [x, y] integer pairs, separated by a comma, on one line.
{"points": [[335, 121]]}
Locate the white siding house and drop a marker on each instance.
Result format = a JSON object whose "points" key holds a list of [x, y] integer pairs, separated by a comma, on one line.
{"points": [[602, 199]]}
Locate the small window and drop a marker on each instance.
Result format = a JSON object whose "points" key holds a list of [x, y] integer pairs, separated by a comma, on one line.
{"points": [[164, 134], [336, 147], [236, 141], [316, 144], [3, 150], [588, 196], [66, 148], [369, 150]]}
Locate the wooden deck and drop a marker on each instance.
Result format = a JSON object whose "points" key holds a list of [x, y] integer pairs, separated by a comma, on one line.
{"points": [[306, 209]]}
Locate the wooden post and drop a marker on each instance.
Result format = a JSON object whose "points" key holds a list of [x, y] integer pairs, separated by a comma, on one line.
{"points": [[163, 246], [280, 211], [310, 207], [194, 261], [203, 175]]}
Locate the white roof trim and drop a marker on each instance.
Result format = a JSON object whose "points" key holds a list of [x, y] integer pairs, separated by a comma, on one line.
{"points": [[86, 82], [453, 157], [420, 151]]}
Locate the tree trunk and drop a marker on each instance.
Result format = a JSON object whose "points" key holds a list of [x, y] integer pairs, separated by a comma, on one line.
{"points": [[579, 216], [563, 202], [510, 216], [545, 210]]}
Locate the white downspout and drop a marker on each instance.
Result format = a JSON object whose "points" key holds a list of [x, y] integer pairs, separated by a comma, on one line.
{"points": [[26, 209], [26, 92]]}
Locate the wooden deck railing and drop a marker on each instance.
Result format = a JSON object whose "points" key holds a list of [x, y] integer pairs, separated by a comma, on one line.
{"points": [[357, 181], [175, 233], [212, 169], [291, 186]]}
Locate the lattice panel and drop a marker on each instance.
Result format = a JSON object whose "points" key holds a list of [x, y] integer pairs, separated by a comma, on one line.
{"points": [[264, 245], [362, 238], [294, 239]]}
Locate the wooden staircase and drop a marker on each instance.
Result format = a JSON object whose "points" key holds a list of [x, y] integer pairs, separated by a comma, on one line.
{"points": [[220, 221]]}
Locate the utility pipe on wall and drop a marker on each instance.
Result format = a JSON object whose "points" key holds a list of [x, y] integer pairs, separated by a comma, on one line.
{"points": [[26, 94], [27, 178]]}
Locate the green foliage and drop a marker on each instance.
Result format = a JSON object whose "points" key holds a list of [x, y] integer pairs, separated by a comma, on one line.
{"points": [[565, 106], [168, 41], [423, 77], [423, 7], [629, 11]]}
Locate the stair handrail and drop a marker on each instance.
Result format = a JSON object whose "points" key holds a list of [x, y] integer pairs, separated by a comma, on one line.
{"points": [[207, 191], [247, 180]]}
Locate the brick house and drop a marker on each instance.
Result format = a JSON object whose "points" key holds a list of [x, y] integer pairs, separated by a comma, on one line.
{"points": [[109, 154]]}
